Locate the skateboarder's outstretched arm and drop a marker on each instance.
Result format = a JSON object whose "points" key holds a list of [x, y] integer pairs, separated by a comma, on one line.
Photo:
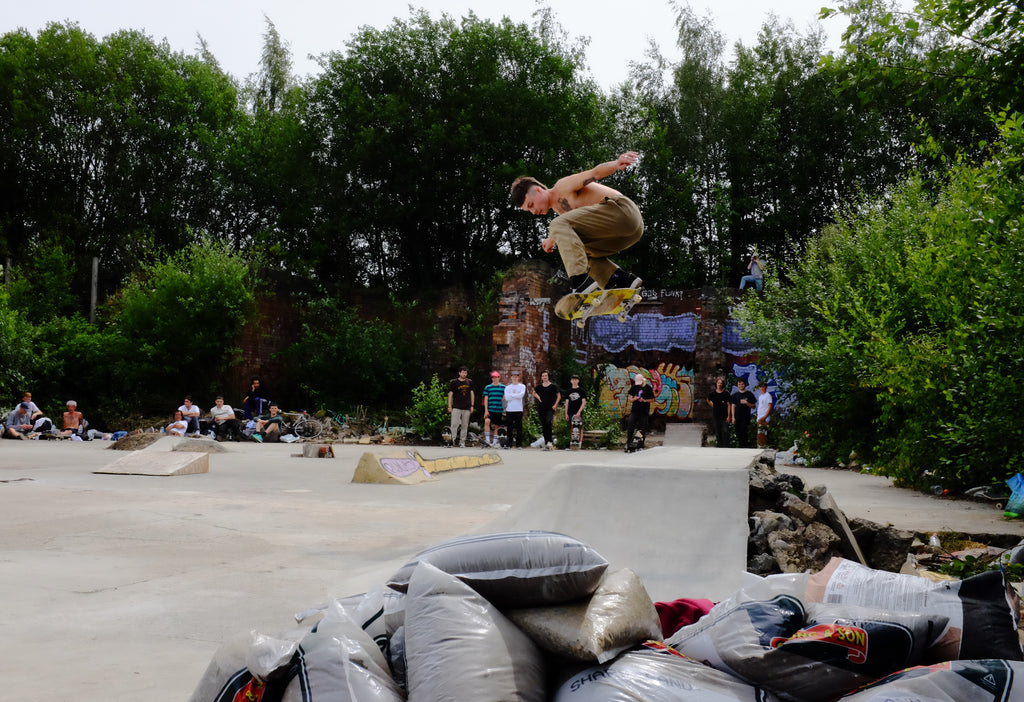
{"points": [[577, 181]]}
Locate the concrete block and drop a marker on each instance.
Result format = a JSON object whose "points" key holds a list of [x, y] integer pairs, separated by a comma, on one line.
{"points": [[162, 463], [317, 451]]}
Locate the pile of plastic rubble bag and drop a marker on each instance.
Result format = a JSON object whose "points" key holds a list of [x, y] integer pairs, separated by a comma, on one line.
{"points": [[541, 616]]}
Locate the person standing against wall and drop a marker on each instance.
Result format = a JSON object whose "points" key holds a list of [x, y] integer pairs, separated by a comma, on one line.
{"points": [[548, 398], [642, 395], [515, 393], [494, 408], [764, 411], [460, 404], [721, 412], [744, 403]]}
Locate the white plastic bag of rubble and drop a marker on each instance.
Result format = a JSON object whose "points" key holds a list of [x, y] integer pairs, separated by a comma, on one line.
{"points": [[655, 673], [460, 647], [515, 569], [378, 612], [245, 662], [805, 651], [986, 680], [338, 662], [982, 610], [619, 614]]}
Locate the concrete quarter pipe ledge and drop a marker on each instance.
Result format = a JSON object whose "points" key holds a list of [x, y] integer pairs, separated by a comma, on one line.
{"points": [[676, 517]]}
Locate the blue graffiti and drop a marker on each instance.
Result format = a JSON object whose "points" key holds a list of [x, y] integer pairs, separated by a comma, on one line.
{"points": [[645, 332], [733, 342]]}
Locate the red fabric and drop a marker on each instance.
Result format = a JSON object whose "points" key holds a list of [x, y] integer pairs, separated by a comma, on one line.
{"points": [[675, 615]]}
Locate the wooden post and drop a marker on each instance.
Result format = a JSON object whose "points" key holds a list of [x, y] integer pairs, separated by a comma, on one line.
{"points": [[95, 285]]}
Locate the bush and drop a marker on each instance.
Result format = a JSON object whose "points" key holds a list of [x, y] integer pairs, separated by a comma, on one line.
{"points": [[380, 358], [900, 329], [428, 413], [174, 329]]}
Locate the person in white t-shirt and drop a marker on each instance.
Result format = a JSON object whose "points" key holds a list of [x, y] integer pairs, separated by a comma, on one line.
{"points": [[225, 423], [515, 392], [190, 413], [764, 411], [178, 426]]}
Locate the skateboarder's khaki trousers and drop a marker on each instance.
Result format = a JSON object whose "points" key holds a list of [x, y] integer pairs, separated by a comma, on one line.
{"points": [[586, 236]]}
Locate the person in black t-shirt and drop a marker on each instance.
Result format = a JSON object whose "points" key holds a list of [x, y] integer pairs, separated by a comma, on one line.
{"points": [[548, 398], [721, 412], [642, 395], [743, 402]]}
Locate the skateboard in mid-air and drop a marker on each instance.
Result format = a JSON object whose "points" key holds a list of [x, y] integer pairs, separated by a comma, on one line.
{"points": [[579, 308]]}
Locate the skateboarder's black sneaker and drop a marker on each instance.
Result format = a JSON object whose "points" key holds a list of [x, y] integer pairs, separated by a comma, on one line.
{"points": [[622, 280], [582, 284]]}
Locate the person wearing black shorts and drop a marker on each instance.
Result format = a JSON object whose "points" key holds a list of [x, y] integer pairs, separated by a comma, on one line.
{"points": [[494, 408]]}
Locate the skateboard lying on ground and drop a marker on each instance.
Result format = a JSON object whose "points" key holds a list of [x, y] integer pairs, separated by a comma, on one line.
{"points": [[580, 308]]}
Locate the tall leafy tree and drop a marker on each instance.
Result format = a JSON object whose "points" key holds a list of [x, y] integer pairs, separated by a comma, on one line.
{"points": [[424, 125], [113, 147]]}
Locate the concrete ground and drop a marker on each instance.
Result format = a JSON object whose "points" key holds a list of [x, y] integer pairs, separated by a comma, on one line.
{"points": [[121, 587]]}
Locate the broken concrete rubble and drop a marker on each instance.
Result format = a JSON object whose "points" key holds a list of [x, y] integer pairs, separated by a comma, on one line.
{"points": [[794, 529]]}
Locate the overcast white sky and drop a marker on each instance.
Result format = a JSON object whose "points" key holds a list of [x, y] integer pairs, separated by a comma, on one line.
{"points": [[234, 29]]}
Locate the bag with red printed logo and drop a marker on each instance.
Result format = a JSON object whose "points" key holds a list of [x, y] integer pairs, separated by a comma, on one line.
{"points": [[802, 651]]}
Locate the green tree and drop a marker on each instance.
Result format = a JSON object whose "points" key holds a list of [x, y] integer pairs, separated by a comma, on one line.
{"points": [[173, 330], [899, 330], [110, 147], [343, 361], [424, 125]]}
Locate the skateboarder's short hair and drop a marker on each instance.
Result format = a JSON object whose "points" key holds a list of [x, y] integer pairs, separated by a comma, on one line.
{"points": [[521, 186]]}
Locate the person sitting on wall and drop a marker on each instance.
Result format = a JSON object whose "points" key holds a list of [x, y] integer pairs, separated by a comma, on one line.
{"points": [[756, 276]]}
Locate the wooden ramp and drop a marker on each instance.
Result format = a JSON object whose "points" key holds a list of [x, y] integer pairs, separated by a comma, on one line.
{"points": [[163, 463]]}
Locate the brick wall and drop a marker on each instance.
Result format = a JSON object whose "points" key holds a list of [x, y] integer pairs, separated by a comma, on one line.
{"points": [[528, 335]]}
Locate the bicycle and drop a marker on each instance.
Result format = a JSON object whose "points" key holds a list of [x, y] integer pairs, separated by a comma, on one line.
{"points": [[305, 427]]}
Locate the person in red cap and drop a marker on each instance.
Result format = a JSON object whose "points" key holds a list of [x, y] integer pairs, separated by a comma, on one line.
{"points": [[494, 408]]}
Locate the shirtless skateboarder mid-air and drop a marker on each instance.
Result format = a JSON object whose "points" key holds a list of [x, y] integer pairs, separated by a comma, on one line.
{"points": [[593, 222]]}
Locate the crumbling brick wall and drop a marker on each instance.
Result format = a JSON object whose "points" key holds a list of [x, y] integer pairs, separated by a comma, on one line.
{"points": [[528, 335]]}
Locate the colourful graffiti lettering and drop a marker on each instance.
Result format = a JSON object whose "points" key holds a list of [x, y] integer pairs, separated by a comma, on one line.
{"points": [[672, 384]]}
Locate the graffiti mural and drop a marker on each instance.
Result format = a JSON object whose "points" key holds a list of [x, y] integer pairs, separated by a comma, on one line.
{"points": [[645, 332], [673, 389]]}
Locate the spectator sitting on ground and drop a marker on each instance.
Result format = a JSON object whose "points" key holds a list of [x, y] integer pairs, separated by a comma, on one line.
{"points": [[190, 413], [19, 422], [74, 422], [34, 412], [178, 426], [225, 423], [268, 428]]}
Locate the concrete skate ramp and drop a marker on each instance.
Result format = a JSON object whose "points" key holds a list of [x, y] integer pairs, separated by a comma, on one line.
{"points": [[410, 468], [163, 463], [677, 517]]}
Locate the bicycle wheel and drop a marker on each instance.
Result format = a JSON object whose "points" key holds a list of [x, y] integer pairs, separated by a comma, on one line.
{"points": [[307, 428]]}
